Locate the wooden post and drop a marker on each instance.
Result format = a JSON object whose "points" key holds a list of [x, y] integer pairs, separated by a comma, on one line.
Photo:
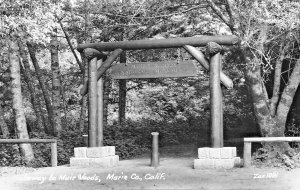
{"points": [[221, 110], [247, 154], [85, 140], [54, 154], [155, 154], [213, 50], [92, 75], [99, 108]]}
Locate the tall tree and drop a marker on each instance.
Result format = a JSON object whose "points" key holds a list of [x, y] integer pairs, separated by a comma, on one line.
{"points": [[42, 83], [107, 89], [25, 69], [84, 61], [260, 26], [122, 92], [56, 96], [21, 127]]}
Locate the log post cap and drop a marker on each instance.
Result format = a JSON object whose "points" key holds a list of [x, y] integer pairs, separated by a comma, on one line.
{"points": [[154, 133], [91, 53], [212, 48]]}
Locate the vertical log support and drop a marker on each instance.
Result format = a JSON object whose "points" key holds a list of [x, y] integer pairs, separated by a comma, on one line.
{"points": [[54, 154], [92, 102], [100, 91], [155, 154], [247, 154], [221, 110], [213, 50], [92, 55]]}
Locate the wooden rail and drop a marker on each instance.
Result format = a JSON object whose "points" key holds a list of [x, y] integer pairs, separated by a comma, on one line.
{"points": [[52, 141], [248, 142]]}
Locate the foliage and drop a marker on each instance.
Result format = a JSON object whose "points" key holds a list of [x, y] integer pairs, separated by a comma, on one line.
{"points": [[10, 156], [134, 137], [177, 108], [292, 130], [33, 20], [269, 157], [131, 139]]}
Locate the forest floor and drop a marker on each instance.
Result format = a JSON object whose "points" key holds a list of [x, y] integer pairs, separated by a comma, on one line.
{"points": [[175, 172]]}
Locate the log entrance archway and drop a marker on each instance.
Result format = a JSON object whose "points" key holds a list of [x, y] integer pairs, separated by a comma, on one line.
{"points": [[94, 86]]}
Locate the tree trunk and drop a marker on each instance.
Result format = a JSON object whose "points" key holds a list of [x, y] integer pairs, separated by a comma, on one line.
{"points": [[21, 129], [84, 65], [287, 97], [122, 93], [84, 98], [63, 98], [266, 123], [42, 84], [296, 109], [3, 125], [107, 89], [55, 86], [25, 69]]}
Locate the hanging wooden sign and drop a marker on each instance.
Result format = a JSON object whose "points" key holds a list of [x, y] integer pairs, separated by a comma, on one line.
{"points": [[161, 69]]}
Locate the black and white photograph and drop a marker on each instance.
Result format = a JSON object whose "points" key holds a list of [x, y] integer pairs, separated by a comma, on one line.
{"points": [[149, 94]]}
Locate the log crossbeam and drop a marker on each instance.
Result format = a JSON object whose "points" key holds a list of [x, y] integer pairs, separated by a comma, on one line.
{"points": [[161, 43]]}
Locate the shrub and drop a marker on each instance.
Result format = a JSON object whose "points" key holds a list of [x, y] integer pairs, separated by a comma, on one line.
{"points": [[131, 139], [10, 155]]}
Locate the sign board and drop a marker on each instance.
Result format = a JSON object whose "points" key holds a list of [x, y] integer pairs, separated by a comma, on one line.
{"points": [[154, 70]]}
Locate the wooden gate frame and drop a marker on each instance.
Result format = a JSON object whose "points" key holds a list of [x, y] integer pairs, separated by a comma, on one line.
{"points": [[92, 52]]}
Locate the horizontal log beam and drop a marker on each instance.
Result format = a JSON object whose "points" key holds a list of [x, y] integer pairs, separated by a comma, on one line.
{"points": [[161, 43], [272, 139], [18, 141]]}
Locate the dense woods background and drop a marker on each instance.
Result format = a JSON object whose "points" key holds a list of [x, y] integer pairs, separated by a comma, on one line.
{"points": [[41, 71]]}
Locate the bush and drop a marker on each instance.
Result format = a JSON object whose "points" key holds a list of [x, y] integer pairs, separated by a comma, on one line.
{"points": [[293, 130], [126, 138], [10, 155], [134, 137], [272, 157], [65, 147], [131, 139]]}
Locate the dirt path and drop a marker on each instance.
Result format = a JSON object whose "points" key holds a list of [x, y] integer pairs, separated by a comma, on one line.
{"points": [[173, 173]]}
